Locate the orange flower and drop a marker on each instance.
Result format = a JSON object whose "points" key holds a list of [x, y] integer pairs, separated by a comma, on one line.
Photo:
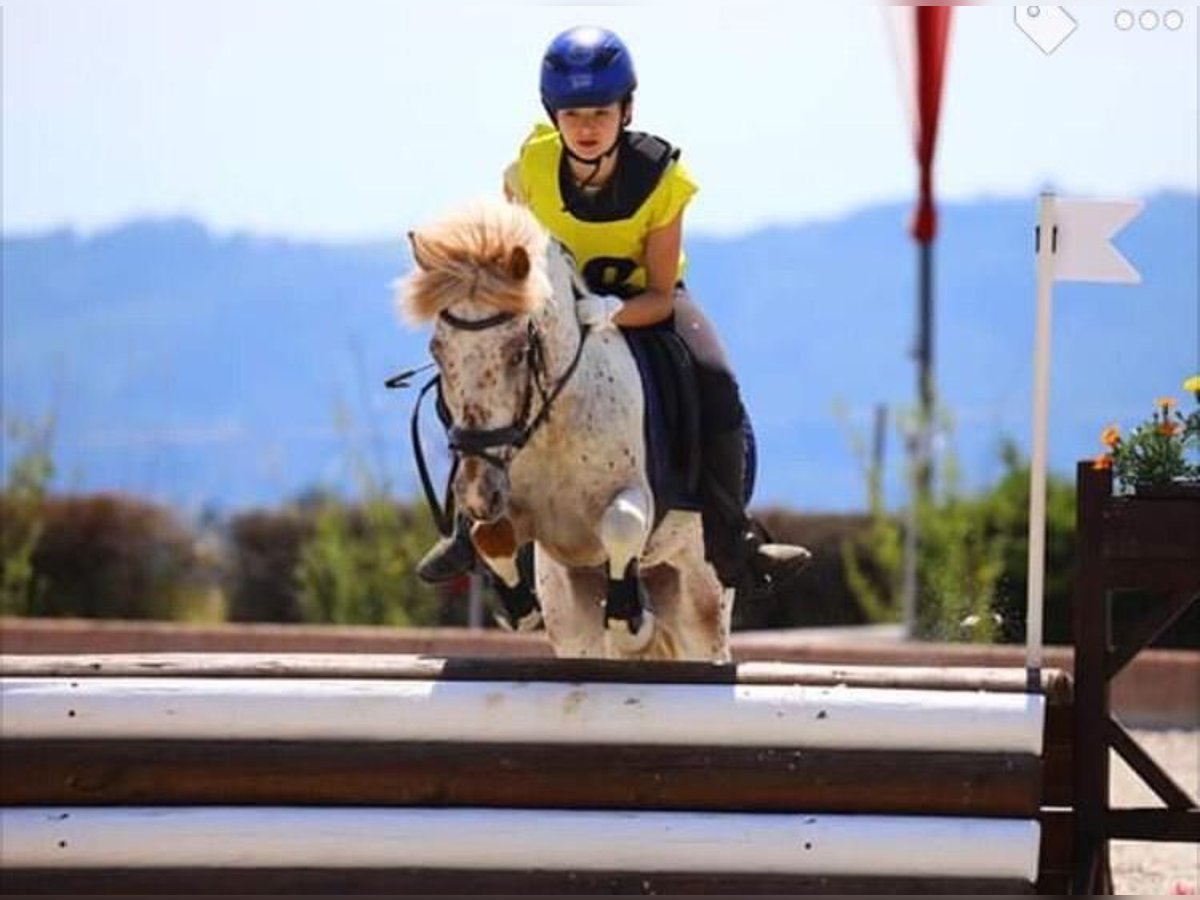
{"points": [[1110, 436], [1167, 428], [1101, 462], [1165, 402]]}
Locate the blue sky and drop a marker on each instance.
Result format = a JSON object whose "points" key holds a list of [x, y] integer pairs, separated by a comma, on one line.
{"points": [[360, 119]]}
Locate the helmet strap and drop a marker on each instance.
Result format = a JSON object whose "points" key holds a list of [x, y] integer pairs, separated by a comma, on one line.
{"points": [[596, 162]]}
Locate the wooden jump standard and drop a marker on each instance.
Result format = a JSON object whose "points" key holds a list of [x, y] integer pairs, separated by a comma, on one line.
{"points": [[195, 773]]}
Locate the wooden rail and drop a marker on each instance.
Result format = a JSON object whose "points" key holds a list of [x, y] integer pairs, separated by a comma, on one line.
{"points": [[77, 784]]}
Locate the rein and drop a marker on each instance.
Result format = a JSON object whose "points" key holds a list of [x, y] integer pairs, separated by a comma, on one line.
{"points": [[477, 442], [467, 442]]}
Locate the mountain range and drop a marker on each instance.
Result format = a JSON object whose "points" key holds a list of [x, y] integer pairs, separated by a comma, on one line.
{"points": [[222, 371]]}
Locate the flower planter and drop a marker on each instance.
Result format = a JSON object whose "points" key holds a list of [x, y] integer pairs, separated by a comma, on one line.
{"points": [[1155, 522], [1178, 489]]}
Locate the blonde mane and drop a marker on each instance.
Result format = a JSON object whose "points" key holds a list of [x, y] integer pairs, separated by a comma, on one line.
{"points": [[490, 251]]}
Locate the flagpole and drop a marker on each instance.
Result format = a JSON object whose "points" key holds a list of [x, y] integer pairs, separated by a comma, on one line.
{"points": [[1046, 242], [931, 33], [1073, 243]]}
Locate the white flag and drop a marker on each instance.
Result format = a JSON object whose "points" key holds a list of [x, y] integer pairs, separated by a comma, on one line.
{"points": [[1082, 247]]}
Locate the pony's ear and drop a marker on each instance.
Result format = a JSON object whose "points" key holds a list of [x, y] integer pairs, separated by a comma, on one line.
{"points": [[414, 241], [518, 264]]}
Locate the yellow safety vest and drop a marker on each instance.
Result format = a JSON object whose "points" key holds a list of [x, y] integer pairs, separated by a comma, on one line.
{"points": [[609, 253]]}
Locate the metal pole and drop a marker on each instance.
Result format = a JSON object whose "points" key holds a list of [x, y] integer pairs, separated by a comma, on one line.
{"points": [[925, 366], [909, 585], [475, 600], [878, 450], [920, 444]]}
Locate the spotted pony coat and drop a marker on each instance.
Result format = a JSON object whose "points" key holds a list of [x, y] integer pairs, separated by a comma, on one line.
{"points": [[578, 489]]}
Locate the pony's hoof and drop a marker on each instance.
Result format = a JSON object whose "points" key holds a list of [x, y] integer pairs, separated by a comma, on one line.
{"points": [[526, 624], [531, 621], [625, 639]]}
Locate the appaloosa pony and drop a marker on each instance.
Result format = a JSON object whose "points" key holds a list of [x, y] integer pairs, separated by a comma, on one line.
{"points": [[547, 425]]}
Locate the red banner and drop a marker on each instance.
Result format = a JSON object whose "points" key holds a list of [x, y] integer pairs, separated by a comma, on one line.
{"points": [[930, 34]]}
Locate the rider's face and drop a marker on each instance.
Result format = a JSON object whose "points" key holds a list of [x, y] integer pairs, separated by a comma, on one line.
{"points": [[590, 130]]}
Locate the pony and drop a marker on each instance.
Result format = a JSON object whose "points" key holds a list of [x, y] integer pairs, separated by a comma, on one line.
{"points": [[546, 421]]}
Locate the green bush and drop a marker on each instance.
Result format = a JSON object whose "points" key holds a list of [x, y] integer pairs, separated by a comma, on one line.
{"points": [[1006, 512], [264, 550], [26, 476], [971, 558], [325, 560], [111, 556], [960, 561], [358, 565]]}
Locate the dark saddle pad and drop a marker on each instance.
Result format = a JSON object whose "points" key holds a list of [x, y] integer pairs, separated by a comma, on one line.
{"points": [[672, 418]]}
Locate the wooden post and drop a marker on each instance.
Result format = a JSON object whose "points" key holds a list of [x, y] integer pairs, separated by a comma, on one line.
{"points": [[1090, 621]]}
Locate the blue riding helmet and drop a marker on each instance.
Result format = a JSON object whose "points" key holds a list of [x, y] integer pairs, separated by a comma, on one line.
{"points": [[586, 67]]}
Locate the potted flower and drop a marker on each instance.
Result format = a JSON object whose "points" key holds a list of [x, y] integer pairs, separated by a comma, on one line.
{"points": [[1159, 456]]}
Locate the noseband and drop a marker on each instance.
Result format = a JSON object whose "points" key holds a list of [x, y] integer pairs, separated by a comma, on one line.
{"points": [[477, 442]]}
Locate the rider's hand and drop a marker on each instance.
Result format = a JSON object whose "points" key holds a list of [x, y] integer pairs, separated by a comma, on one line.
{"points": [[598, 310]]}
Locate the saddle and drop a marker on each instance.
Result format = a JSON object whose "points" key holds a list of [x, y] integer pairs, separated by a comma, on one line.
{"points": [[671, 426], [672, 418]]}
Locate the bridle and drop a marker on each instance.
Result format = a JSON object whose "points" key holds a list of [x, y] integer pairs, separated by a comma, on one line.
{"points": [[478, 442]]}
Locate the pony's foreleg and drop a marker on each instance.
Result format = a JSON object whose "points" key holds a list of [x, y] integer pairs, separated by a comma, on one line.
{"points": [[515, 588], [624, 530], [510, 570]]}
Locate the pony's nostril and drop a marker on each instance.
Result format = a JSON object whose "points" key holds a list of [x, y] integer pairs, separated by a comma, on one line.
{"points": [[495, 499]]}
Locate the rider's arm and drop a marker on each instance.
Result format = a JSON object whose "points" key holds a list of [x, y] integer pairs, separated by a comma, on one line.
{"points": [[512, 186], [662, 271]]}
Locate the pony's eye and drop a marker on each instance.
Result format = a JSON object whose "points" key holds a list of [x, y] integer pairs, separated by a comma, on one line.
{"points": [[516, 357]]}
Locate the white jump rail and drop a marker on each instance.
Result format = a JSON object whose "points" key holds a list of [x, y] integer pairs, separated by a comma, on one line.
{"points": [[532, 712], [896, 846]]}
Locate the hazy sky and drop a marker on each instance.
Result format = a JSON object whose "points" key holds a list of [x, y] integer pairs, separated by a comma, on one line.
{"points": [[361, 119]]}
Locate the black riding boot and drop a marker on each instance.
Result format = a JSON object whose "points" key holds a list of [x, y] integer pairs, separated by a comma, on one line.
{"points": [[450, 557], [738, 548]]}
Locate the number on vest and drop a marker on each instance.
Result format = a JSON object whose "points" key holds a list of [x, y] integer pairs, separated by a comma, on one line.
{"points": [[605, 273]]}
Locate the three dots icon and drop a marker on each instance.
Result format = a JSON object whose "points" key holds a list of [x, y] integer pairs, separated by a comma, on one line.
{"points": [[1148, 19]]}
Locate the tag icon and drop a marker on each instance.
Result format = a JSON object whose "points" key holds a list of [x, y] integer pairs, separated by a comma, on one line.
{"points": [[1046, 26]]}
